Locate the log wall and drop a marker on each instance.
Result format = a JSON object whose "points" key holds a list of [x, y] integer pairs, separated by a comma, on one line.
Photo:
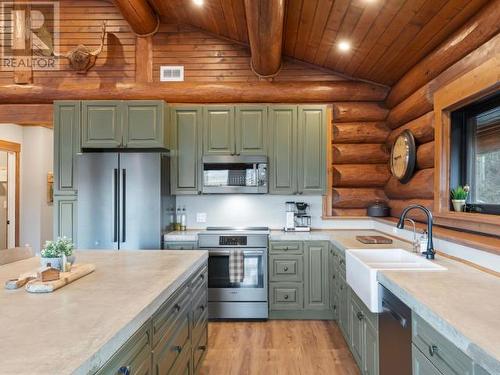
{"points": [[415, 111]]}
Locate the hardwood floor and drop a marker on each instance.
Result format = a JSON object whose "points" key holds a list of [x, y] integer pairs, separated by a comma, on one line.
{"points": [[277, 347]]}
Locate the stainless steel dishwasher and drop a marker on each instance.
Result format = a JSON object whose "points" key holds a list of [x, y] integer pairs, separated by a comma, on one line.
{"points": [[394, 336]]}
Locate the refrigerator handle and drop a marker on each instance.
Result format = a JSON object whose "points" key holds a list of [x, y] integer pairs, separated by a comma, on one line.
{"points": [[124, 205], [115, 205]]}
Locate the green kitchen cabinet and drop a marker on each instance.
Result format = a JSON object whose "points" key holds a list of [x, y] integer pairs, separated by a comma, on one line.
{"points": [[66, 146], [218, 130], [316, 275], [186, 149], [65, 216], [102, 124], [343, 307], [421, 365], [370, 362], [311, 153], [251, 129], [282, 149], [144, 124]]}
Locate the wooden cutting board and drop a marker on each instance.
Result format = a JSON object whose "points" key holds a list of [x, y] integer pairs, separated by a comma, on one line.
{"points": [[374, 240], [77, 272]]}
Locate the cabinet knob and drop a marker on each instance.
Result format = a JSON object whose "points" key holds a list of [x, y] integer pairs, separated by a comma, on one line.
{"points": [[124, 370], [177, 349], [286, 296], [286, 268], [360, 315], [433, 350], [177, 307], [202, 276], [202, 307], [202, 347]]}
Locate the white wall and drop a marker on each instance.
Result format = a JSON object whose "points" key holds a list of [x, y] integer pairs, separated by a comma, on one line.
{"points": [[36, 161]]}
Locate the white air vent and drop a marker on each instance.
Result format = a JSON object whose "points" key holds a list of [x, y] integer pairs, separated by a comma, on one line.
{"points": [[171, 73]]}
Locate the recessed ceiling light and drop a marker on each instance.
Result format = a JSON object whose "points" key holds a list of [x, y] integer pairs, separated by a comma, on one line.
{"points": [[198, 2], [344, 46]]}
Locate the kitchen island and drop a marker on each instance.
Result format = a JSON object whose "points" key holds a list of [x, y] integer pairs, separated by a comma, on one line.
{"points": [[83, 326]]}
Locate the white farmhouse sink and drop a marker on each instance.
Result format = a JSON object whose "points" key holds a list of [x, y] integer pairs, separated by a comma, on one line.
{"points": [[363, 265]]}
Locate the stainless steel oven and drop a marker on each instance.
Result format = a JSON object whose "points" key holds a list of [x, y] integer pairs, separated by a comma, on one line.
{"points": [[244, 300], [223, 174]]}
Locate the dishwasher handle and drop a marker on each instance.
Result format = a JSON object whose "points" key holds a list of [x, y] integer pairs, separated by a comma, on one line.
{"points": [[386, 307]]}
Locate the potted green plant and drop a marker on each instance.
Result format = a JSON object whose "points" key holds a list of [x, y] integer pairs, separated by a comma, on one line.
{"points": [[53, 252], [459, 196]]}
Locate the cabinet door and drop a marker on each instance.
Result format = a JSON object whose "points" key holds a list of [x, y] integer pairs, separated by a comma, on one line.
{"points": [[66, 146], [101, 124], [218, 130], [343, 308], [316, 276], [144, 124], [251, 130], [186, 150], [370, 358], [421, 365], [282, 149], [311, 149], [356, 328], [65, 217]]}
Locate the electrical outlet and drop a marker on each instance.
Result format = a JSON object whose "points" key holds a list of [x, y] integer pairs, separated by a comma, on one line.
{"points": [[201, 217]]}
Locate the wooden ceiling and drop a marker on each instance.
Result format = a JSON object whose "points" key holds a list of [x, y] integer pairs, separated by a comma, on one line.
{"points": [[388, 37]]}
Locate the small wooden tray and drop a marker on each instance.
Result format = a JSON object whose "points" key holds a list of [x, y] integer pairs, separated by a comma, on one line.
{"points": [[77, 271], [374, 240]]}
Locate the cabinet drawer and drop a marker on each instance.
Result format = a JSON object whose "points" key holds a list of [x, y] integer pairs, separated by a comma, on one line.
{"points": [[420, 364], [201, 328], [172, 347], [182, 245], [134, 355], [199, 352], [370, 317], [199, 280], [443, 354], [199, 309], [289, 247], [286, 296], [165, 320], [286, 268]]}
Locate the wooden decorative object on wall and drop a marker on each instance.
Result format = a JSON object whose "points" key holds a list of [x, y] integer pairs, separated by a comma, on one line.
{"points": [[82, 58], [50, 188]]}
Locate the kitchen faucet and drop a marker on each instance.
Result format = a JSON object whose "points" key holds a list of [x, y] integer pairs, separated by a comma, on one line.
{"points": [[429, 253]]}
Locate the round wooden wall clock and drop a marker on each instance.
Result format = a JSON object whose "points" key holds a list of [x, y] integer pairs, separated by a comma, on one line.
{"points": [[403, 156]]}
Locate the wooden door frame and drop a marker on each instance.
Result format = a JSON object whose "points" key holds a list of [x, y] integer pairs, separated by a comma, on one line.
{"points": [[16, 148]]}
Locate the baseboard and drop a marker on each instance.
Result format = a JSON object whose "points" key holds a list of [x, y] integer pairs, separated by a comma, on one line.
{"points": [[301, 314]]}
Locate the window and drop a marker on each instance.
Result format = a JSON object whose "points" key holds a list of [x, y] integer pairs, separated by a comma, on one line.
{"points": [[475, 154]]}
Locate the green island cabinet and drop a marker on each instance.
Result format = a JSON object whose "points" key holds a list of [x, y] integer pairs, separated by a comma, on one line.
{"points": [[235, 130], [297, 149], [186, 149], [299, 280], [173, 341], [111, 124]]}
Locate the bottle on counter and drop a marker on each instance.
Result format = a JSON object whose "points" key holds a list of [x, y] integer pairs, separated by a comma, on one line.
{"points": [[183, 219], [424, 238], [178, 220]]}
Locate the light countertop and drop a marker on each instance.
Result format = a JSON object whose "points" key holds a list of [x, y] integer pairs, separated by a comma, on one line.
{"points": [[76, 329]]}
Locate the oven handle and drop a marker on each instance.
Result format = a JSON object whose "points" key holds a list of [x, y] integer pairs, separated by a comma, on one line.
{"points": [[219, 253]]}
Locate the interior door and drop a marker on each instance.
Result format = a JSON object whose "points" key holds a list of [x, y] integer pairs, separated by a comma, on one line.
{"points": [[11, 199], [140, 205], [98, 187]]}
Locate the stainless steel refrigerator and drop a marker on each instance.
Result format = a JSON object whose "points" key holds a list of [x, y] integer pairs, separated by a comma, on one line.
{"points": [[124, 200]]}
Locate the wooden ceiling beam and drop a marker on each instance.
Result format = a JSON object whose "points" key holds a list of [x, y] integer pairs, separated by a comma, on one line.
{"points": [[265, 32], [140, 16], [203, 92]]}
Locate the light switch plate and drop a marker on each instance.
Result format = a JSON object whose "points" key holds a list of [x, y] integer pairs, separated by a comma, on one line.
{"points": [[201, 217]]}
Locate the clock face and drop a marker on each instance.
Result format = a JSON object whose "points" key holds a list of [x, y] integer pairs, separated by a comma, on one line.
{"points": [[403, 156]]}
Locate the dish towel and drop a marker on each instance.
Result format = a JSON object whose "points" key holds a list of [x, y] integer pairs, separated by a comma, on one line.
{"points": [[236, 266]]}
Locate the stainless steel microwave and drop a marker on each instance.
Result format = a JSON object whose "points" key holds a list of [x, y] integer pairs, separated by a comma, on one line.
{"points": [[225, 174]]}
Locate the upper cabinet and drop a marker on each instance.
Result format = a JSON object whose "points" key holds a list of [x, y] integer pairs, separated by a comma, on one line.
{"points": [[218, 130], [124, 124], [251, 130], [311, 149]]}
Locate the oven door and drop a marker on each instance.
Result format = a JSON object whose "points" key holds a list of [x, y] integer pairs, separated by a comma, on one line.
{"points": [[254, 285]]}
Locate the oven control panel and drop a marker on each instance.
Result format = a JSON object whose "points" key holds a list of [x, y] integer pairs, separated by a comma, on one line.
{"points": [[233, 240]]}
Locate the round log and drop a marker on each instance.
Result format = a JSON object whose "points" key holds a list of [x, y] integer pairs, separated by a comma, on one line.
{"points": [[478, 30], [417, 104], [360, 153], [139, 15], [425, 155], [421, 186], [360, 132], [349, 212], [360, 175], [356, 198], [265, 34], [197, 92], [354, 112], [422, 129], [397, 206]]}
